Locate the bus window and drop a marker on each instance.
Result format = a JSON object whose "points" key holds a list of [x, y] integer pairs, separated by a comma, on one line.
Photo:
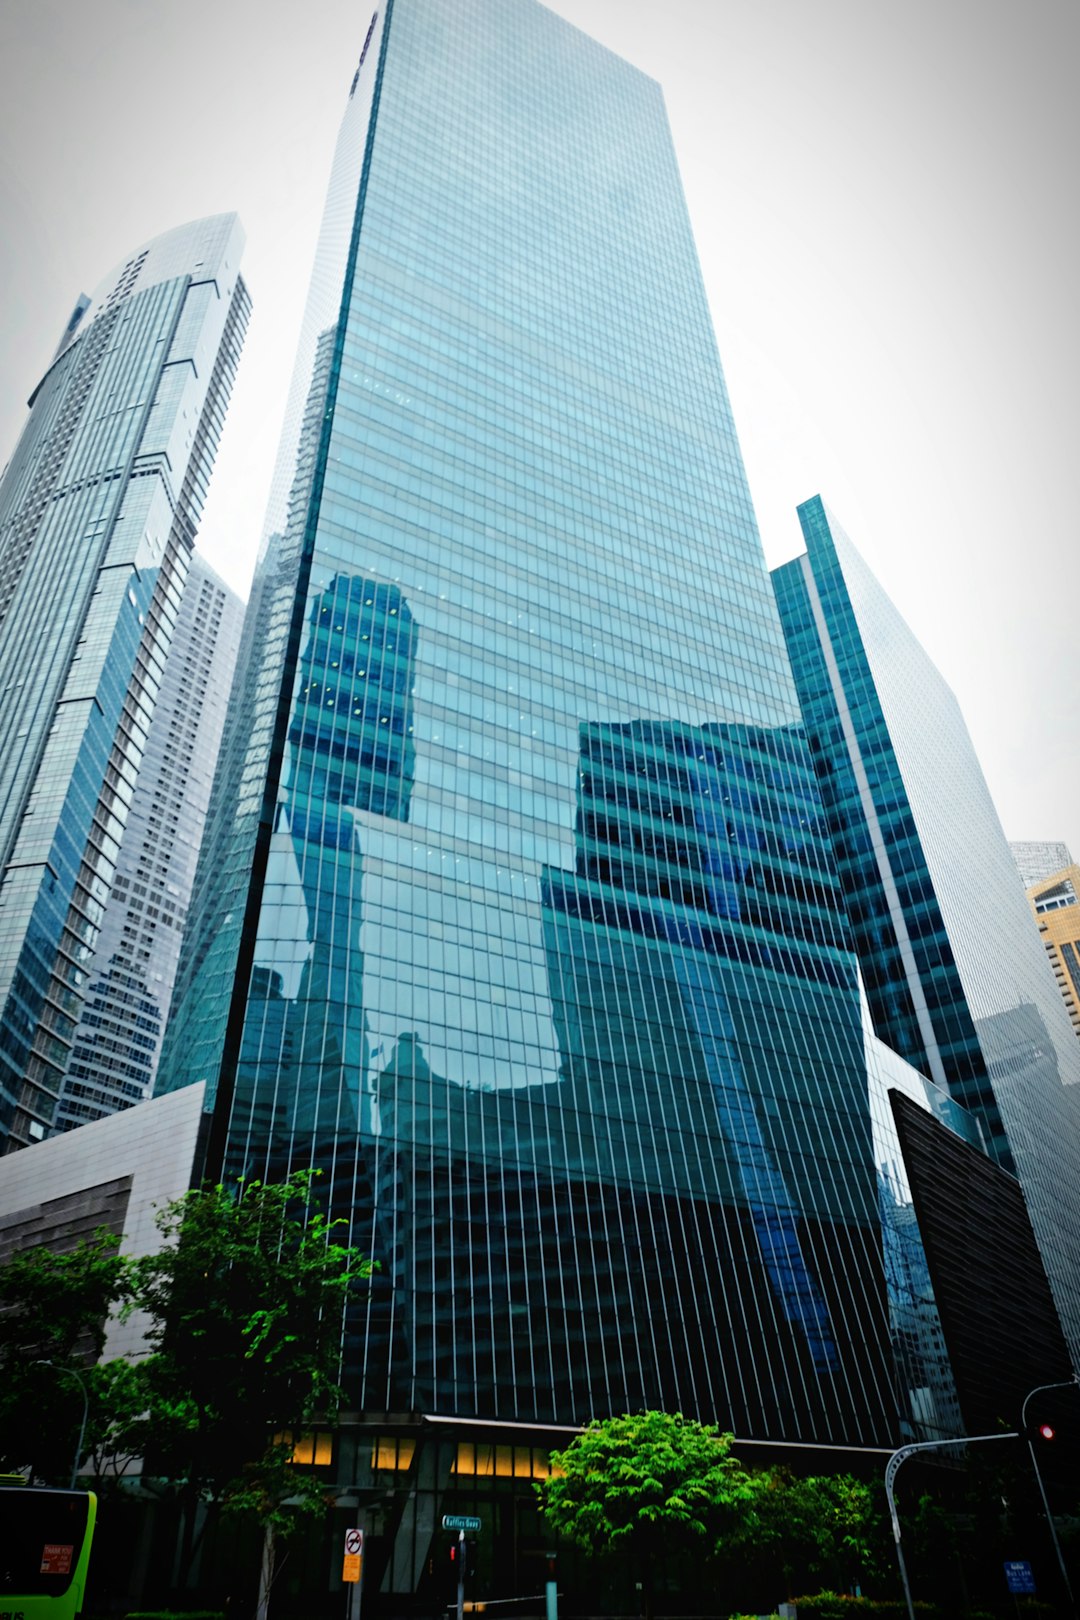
{"points": [[45, 1541]]}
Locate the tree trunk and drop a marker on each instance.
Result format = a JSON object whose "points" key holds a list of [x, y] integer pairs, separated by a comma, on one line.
{"points": [[647, 1602], [191, 1535], [266, 1574]]}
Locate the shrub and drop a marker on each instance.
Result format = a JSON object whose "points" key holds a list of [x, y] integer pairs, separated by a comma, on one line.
{"points": [[175, 1614], [835, 1606]]}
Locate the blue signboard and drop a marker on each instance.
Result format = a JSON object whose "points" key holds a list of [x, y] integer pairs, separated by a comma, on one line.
{"points": [[1018, 1576]]}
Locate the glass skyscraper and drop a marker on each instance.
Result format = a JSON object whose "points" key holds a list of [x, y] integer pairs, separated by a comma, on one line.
{"points": [[98, 508], [130, 978], [956, 975], [518, 916]]}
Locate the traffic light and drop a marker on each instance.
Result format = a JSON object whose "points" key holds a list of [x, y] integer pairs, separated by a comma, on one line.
{"points": [[1045, 1431], [459, 1559]]}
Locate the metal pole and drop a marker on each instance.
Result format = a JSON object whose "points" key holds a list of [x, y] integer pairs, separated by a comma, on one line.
{"points": [[461, 1575], [551, 1590], [356, 1594], [71, 1373], [892, 1467], [1069, 1383]]}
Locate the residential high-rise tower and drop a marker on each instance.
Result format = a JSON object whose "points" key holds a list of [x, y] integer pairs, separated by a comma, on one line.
{"points": [[98, 509], [130, 980]]}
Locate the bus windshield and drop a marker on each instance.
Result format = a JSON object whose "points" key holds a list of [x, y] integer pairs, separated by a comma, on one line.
{"points": [[45, 1539]]}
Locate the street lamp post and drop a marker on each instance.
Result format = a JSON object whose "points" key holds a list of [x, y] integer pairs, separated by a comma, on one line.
{"points": [[69, 1372], [891, 1469], [1069, 1383]]}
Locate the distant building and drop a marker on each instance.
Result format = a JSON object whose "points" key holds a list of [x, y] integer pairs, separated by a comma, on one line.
{"points": [[955, 978], [1056, 905], [98, 509], [117, 1042], [1038, 860]]}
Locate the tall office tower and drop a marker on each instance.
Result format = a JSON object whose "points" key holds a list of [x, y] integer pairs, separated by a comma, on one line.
{"points": [[518, 917], [98, 509], [1038, 859], [1055, 902], [130, 979], [956, 978]]}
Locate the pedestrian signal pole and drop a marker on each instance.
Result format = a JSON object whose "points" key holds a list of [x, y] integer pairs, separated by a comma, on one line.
{"points": [[461, 1556], [891, 1469], [1045, 1432]]}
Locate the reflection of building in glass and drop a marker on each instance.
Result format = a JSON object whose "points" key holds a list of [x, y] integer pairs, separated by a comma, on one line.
{"points": [[689, 841], [115, 1053], [1037, 859], [350, 752], [98, 509], [1055, 902], [955, 976]]}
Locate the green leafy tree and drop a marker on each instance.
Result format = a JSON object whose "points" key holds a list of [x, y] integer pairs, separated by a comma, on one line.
{"points": [[53, 1313], [654, 1486], [245, 1301], [826, 1529]]}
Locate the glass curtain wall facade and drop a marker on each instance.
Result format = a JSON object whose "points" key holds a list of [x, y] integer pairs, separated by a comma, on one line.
{"points": [[956, 976], [98, 509], [1039, 859], [130, 980], [518, 916]]}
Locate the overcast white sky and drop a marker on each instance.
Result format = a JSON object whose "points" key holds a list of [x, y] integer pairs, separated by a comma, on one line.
{"points": [[884, 199]]}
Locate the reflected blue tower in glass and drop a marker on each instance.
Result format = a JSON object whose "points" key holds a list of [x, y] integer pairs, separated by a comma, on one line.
{"points": [[956, 977], [518, 916]]}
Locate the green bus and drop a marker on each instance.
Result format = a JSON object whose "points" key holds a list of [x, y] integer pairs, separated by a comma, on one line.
{"points": [[45, 1539]]}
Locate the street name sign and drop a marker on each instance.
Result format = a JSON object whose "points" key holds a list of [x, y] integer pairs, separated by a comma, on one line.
{"points": [[460, 1521]]}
